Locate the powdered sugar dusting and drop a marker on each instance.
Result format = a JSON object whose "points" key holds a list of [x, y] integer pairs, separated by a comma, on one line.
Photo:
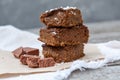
{"points": [[64, 8], [54, 33], [73, 12], [56, 18]]}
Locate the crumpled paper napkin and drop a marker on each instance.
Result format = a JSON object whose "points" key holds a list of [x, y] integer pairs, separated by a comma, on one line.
{"points": [[11, 38]]}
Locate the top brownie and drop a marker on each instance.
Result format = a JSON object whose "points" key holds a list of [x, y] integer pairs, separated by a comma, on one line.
{"points": [[62, 17]]}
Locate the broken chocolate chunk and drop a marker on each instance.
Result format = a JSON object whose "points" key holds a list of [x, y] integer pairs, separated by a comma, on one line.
{"points": [[46, 62], [23, 58], [32, 61], [18, 52], [25, 50], [31, 51]]}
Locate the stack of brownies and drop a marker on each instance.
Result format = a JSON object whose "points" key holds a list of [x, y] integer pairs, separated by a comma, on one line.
{"points": [[64, 35]]}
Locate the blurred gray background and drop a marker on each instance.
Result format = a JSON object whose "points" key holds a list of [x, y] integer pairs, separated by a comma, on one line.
{"points": [[24, 14]]}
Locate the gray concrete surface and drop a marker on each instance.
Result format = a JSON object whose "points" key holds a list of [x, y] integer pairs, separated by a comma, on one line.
{"points": [[104, 31], [106, 73], [25, 13]]}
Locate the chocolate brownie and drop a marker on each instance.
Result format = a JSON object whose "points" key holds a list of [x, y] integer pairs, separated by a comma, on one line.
{"points": [[63, 54], [64, 36], [18, 52], [62, 17], [46, 62], [31, 51], [32, 61]]}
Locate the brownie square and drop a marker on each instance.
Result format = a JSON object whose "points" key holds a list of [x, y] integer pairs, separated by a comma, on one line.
{"points": [[62, 17], [64, 36], [63, 54]]}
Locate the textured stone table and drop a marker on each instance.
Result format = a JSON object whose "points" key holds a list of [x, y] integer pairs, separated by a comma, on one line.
{"points": [[106, 73], [99, 32]]}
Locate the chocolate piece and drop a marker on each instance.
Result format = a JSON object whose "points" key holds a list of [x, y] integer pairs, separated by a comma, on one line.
{"points": [[63, 54], [25, 50], [18, 52], [32, 61], [46, 62], [41, 63], [35, 61], [64, 36], [23, 58], [62, 17], [31, 51]]}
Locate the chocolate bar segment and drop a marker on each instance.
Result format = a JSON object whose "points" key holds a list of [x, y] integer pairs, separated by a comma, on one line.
{"points": [[46, 62], [31, 51], [24, 57], [18, 52], [61, 17], [25, 50], [63, 54], [64, 36], [32, 61]]}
